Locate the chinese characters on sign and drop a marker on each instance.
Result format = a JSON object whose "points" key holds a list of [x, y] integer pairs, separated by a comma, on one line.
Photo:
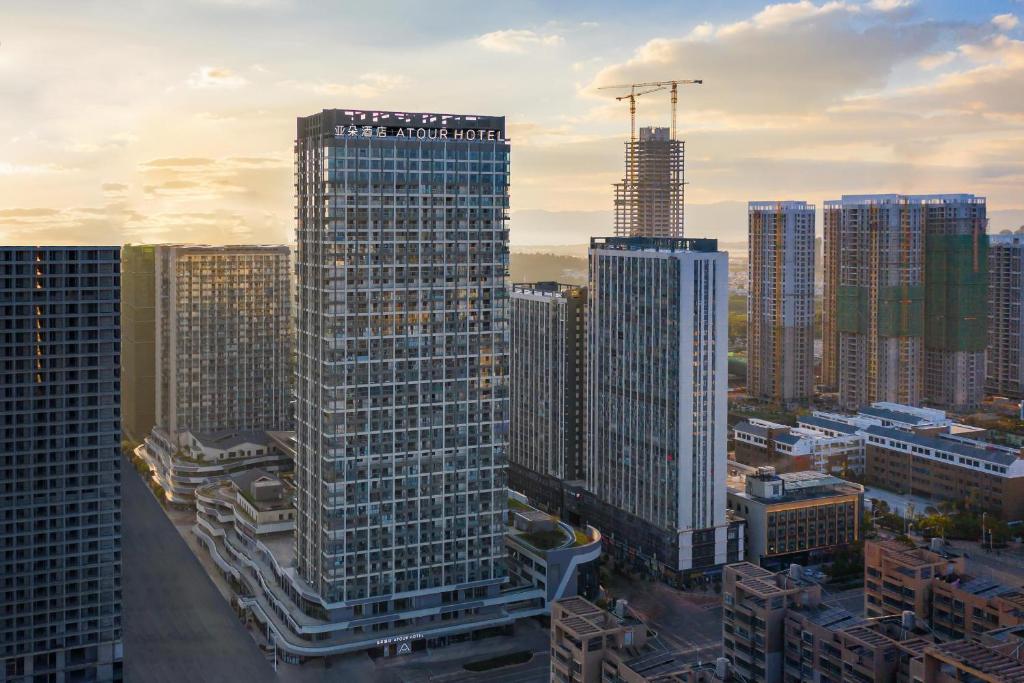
{"points": [[417, 133]]}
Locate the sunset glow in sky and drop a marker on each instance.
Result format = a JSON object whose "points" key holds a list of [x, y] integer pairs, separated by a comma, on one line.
{"points": [[174, 120]]}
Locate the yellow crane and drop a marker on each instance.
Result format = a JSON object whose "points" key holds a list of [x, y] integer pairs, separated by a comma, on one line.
{"points": [[654, 87]]}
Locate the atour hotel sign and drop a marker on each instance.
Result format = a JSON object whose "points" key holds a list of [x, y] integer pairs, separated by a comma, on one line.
{"points": [[418, 133]]}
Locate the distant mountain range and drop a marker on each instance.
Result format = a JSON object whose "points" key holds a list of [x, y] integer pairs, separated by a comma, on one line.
{"points": [[726, 221], [565, 232]]}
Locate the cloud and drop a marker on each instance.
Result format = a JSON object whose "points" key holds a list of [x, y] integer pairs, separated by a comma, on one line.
{"points": [[761, 64], [517, 41], [210, 77], [1005, 22], [196, 179], [889, 5], [171, 162], [929, 62], [365, 87]]}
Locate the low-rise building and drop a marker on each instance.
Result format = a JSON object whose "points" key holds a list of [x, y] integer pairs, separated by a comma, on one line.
{"points": [[254, 503], [964, 606], [550, 554], [829, 645], [796, 516], [938, 587], [791, 449], [204, 458], [754, 604], [776, 626], [947, 467], [968, 660], [898, 577], [593, 645]]}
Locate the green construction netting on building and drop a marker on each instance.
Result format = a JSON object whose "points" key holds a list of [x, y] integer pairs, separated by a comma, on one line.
{"points": [[956, 292], [900, 310]]}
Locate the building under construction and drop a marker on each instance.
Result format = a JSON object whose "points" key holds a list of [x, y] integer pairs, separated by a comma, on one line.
{"points": [[905, 299], [1005, 357], [649, 200], [780, 307]]}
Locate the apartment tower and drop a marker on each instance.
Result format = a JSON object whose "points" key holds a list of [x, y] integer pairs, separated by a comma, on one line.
{"points": [[905, 299], [656, 382], [60, 454], [1004, 375], [547, 389], [224, 341], [780, 307], [138, 340], [649, 200], [402, 382]]}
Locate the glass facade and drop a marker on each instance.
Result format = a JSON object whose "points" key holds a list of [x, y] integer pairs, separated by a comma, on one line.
{"points": [[402, 396]]}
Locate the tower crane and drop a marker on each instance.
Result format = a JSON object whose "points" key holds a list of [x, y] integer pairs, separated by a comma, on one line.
{"points": [[633, 94], [655, 86]]}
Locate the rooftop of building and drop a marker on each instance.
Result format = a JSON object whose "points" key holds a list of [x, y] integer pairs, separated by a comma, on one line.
{"points": [[974, 656], [786, 434], [832, 618], [983, 587], [547, 288], [817, 421], [980, 450], [763, 583], [784, 205], [797, 486], [914, 557], [661, 244], [1005, 239], [223, 248], [903, 414], [395, 119], [584, 618], [869, 199], [230, 438]]}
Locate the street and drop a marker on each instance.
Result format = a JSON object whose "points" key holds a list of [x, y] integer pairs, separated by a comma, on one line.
{"points": [[688, 622], [177, 627]]}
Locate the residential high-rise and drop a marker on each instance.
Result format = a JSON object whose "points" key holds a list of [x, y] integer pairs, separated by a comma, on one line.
{"points": [[1005, 355], [138, 340], [656, 401], [402, 382], [780, 307], [649, 200], [60, 488], [832, 216], [905, 299], [224, 342], [547, 389]]}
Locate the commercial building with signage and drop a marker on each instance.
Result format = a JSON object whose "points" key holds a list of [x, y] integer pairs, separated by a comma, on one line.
{"points": [[402, 390]]}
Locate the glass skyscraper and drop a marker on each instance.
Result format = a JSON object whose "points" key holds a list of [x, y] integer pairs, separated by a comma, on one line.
{"points": [[60, 485], [402, 396]]}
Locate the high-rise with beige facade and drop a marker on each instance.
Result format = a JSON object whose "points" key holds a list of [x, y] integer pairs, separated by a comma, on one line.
{"points": [[224, 342], [780, 307], [1004, 371], [905, 299]]}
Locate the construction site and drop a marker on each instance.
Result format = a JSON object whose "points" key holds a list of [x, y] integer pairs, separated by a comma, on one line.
{"points": [[649, 202]]}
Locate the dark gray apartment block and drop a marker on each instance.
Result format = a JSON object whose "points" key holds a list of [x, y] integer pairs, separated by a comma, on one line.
{"points": [[60, 487]]}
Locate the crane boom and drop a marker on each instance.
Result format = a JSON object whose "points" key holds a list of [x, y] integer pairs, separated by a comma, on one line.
{"points": [[655, 85]]}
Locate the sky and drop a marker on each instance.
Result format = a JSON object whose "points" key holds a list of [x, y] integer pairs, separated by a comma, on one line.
{"points": [[149, 121]]}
